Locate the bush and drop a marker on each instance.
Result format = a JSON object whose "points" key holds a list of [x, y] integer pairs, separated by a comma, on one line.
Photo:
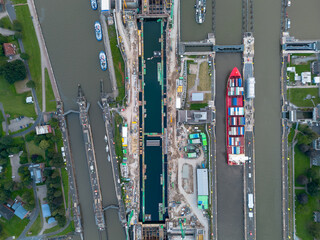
{"points": [[14, 71]]}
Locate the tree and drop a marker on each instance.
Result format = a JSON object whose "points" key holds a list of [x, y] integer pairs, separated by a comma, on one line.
{"points": [[3, 161], [312, 173], [17, 26], [18, 35], [313, 188], [61, 220], [0, 228], [57, 193], [304, 148], [6, 140], [14, 71], [31, 84], [24, 56], [3, 39], [302, 198], [314, 230], [44, 144], [30, 137], [1, 50]]}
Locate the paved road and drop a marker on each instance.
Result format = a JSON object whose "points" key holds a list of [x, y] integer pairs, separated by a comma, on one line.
{"points": [[113, 158], [6, 32], [34, 213], [5, 118], [249, 176]]}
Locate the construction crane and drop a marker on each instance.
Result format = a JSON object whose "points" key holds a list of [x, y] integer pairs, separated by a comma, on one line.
{"points": [[124, 6], [182, 230]]}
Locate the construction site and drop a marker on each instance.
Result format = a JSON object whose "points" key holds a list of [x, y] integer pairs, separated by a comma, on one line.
{"points": [[164, 161]]}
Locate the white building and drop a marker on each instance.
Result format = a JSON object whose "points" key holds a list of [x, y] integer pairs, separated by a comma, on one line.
{"points": [[306, 77], [316, 80]]}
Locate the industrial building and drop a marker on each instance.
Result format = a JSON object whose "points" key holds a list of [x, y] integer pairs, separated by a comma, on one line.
{"points": [[195, 116], [203, 190]]}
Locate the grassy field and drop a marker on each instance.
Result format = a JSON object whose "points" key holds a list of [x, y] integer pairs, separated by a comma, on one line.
{"points": [[197, 106], [13, 227], [65, 182], [34, 149], [297, 96], [291, 134], [117, 62], [36, 227], [117, 137], [13, 103], [50, 99], [69, 229], [204, 78], [19, 1], [301, 163], [304, 216], [6, 23], [31, 46], [53, 229], [191, 81]]}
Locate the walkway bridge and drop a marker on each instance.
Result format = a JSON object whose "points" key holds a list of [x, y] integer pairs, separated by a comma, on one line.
{"points": [[111, 207], [208, 44], [302, 46]]}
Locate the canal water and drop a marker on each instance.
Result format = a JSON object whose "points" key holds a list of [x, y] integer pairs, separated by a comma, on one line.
{"points": [[68, 28], [153, 194], [305, 19]]}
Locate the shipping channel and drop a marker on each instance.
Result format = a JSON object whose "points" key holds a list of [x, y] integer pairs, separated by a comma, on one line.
{"points": [[153, 166], [227, 25], [68, 28]]}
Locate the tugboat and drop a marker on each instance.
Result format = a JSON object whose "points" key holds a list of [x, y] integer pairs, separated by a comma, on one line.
{"points": [[97, 29], [94, 4], [103, 60]]}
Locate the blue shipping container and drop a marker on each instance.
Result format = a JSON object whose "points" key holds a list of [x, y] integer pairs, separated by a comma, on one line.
{"points": [[240, 82], [234, 101]]}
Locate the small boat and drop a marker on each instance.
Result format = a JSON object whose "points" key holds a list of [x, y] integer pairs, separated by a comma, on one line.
{"points": [[98, 31], [94, 4], [103, 60]]}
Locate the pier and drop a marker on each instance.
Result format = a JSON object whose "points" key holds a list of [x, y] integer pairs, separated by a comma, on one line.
{"points": [[91, 160], [71, 170], [109, 139], [249, 167]]}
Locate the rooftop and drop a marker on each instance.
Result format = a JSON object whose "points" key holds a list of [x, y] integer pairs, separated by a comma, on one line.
{"points": [[9, 49], [6, 212], [197, 97]]}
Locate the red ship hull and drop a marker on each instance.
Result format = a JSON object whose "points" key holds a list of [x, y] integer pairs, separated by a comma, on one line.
{"points": [[235, 119]]}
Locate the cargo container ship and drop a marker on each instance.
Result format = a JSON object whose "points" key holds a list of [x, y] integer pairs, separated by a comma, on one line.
{"points": [[235, 119], [200, 10]]}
